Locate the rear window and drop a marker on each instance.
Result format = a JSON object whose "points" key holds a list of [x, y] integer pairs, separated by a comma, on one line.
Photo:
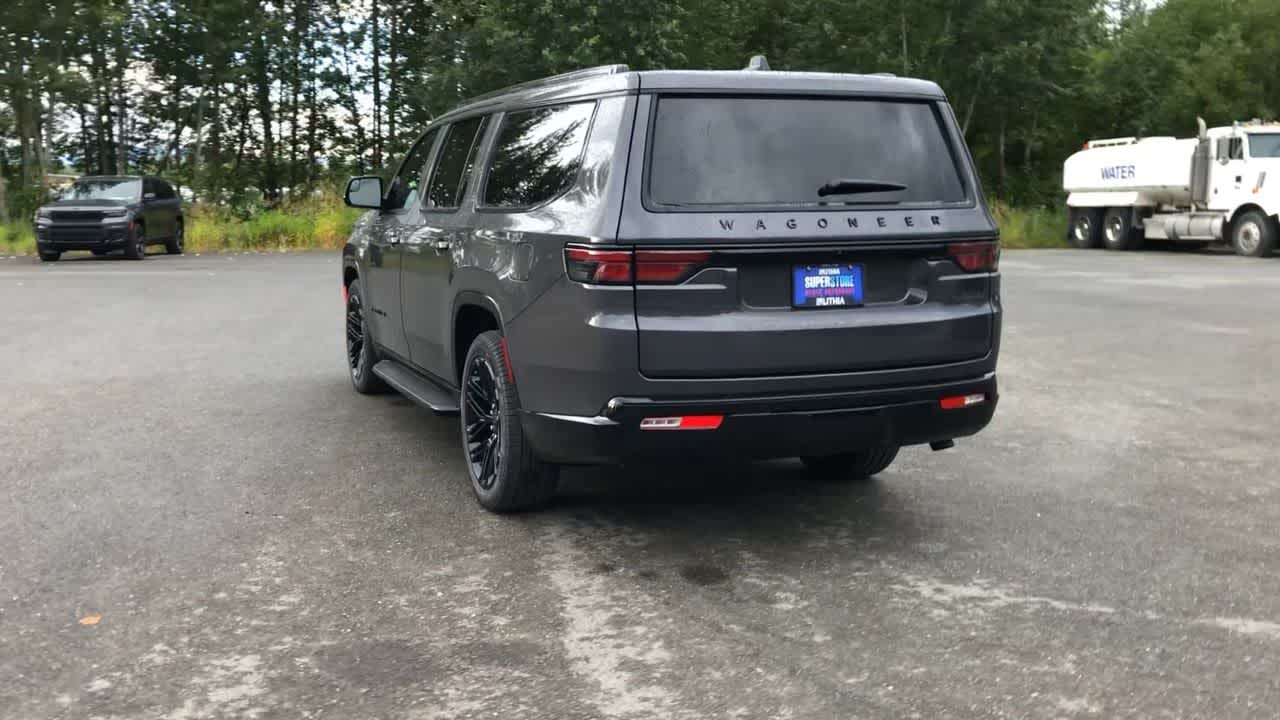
{"points": [[720, 151]]}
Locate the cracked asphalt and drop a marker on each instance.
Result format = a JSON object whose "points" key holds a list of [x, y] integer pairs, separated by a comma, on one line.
{"points": [[200, 518]]}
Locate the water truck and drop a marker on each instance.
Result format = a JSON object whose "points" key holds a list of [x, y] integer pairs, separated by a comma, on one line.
{"points": [[1212, 188]]}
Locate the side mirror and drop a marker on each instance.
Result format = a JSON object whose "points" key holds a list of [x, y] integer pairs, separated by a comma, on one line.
{"points": [[148, 196], [364, 192]]}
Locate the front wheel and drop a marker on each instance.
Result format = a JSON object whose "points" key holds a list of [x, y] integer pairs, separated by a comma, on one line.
{"points": [[859, 465], [362, 354], [49, 255], [137, 247], [1253, 234], [505, 475]]}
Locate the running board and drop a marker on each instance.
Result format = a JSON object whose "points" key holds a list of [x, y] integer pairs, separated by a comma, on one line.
{"points": [[417, 388]]}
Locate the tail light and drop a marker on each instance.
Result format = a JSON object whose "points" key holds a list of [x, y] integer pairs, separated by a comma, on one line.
{"points": [[975, 256], [598, 267], [622, 267]]}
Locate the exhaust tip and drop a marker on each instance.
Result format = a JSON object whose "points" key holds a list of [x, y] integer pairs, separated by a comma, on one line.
{"points": [[942, 445]]}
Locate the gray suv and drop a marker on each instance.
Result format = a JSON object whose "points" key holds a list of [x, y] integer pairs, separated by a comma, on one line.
{"points": [[101, 213], [610, 266]]}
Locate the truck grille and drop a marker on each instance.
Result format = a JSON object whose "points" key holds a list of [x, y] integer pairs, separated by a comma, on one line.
{"points": [[77, 215], [75, 234]]}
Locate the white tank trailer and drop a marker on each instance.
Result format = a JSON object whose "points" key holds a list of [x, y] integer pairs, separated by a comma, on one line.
{"points": [[1211, 188]]}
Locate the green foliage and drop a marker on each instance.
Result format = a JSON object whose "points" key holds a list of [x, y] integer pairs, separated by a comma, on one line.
{"points": [[284, 96], [1033, 227]]}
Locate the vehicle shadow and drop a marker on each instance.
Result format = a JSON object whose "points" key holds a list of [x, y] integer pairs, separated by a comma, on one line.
{"points": [[113, 256], [706, 505], [701, 506]]}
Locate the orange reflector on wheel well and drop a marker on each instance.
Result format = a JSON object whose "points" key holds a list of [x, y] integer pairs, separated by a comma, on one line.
{"points": [[682, 422], [957, 402]]}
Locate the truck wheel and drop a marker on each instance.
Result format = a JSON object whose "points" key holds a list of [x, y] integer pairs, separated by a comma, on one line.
{"points": [[1086, 227], [1253, 234], [850, 466], [505, 475], [1117, 229]]}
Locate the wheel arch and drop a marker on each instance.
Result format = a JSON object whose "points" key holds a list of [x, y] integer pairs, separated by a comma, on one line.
{"points": [[473, 313], [1247, 207]]}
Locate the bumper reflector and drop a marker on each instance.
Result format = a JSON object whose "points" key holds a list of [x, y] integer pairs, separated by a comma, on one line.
{"points": [[958, 402], [683, 422]]}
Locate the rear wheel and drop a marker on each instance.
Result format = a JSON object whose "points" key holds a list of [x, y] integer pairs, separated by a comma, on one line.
{"points": [[1086, 226], [505, 475], [362, 355], [1117, 229], [49, 255], [136, 249], [851, 466], [1253, 234], [175, 244]]}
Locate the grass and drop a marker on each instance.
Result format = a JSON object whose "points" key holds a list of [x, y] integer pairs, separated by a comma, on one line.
{"points": [[318, 223], [323, 223], [1031, 227]]}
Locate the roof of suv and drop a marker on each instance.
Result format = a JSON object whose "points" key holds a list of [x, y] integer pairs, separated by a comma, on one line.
{"points": [[618, 78]]}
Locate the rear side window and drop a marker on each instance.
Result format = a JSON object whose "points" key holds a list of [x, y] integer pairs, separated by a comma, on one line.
{"points": [[726, 151], [453, 166], [537, 156]]}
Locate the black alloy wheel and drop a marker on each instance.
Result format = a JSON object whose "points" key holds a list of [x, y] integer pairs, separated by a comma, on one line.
{"points": [[362, 353], [482, 422]]}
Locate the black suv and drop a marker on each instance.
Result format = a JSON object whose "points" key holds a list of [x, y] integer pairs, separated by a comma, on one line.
{"points": [[608, 266], [111, 212]]}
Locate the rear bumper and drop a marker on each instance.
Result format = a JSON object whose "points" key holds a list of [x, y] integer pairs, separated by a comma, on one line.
{"points": [[764, 427]]}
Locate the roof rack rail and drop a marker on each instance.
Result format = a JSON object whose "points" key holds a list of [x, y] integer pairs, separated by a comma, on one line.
{"points": [[583, 74]]}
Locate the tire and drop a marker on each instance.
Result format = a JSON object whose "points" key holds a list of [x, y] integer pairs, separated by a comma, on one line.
{"points": [[1086, 228], [1253, 234], [176, 244], [137, 247], [1117, 229], [850, 466], [362, 353], [504, 473], [49, 255]]}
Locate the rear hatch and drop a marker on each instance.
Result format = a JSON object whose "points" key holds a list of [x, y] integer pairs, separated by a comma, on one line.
{"points": [[797, 235]]}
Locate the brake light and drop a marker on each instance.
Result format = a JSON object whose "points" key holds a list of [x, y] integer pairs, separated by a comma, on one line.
{"points": [[668, 266], [599, 267], [621, 267], [959, 402], [975, 256], [682, 422]]}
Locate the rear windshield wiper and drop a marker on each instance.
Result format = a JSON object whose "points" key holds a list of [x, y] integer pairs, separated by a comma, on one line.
{"points": [[849, 186]]}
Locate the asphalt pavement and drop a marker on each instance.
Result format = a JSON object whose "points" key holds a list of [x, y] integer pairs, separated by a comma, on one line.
{"points": [[199, 518]]}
